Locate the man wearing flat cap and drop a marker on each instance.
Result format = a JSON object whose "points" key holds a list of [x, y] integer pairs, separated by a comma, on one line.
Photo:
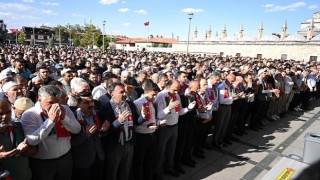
{"points": [[20, 106]]}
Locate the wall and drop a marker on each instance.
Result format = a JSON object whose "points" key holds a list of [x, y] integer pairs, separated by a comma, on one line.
{"points": [[274, 50]]}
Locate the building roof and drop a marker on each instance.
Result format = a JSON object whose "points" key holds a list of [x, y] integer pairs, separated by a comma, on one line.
{"points": [[270, 37], [145, 40], [295, 37]]}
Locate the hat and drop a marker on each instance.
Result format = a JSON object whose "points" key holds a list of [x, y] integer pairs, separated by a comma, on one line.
{"points": [[65, 70], [5, 74], [8, 85], [58, 66], [261, 71], [23, 103]]}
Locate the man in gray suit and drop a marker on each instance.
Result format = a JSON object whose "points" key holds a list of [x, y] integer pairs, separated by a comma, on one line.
{"points": [[88, 153]]}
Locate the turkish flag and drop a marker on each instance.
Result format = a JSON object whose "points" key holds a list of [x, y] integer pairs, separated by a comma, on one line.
{"points": [[146, 23]]}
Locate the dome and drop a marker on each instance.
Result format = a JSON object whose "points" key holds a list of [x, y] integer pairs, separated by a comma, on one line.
{"points": [[199, 38], [229, 38], [295, 37], [316, 38], [270, 37], [214, 38], [248, 38], [306, 29]]}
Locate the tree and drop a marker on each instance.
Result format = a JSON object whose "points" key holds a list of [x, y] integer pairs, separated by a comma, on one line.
{"points": [[276, 34], [51, 42], [63, 33], [21, 37], [76, 40], [91, 37]]}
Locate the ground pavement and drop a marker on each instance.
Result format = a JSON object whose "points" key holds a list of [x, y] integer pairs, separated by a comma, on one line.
{"points": [[257, 152]]}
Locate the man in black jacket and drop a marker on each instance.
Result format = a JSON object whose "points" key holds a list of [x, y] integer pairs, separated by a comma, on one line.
{"points": [[118, 143]]}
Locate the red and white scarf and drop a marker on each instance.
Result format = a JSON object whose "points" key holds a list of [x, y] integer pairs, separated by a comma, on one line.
{"points": [[83, 123], [127, 129]]}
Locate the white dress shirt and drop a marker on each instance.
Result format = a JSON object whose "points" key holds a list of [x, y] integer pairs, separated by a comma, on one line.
{"points": [[37, 130], [142, 128], [221, 89], [164, 113], [98, 91]]}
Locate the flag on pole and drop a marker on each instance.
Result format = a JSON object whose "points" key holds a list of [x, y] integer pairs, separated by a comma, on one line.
{"points": [[15, 31], [146, 23]]}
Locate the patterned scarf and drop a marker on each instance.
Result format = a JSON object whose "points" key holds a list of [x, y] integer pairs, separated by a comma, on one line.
{"points": [[127, 129], [83, 123]]}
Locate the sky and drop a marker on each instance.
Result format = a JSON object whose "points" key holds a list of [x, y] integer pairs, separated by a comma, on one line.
{"points": [[166, 18]]}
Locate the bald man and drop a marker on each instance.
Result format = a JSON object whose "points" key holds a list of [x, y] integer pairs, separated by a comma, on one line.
{"points": [[226, 97], [169, 109], [186, 129]]}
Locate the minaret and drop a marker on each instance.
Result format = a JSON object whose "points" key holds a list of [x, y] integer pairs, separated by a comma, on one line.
{"points": [[284, 30], [209, 33], [310, 31], [260, 31], [224, 32], [195, 33], [206, 35], [241, 32]]}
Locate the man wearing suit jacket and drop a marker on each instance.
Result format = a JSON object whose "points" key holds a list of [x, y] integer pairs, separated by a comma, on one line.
{"points": [[88, 154], [118, 143]]}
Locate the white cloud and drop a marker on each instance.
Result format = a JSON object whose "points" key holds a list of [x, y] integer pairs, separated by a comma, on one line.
{"points": [[15, 16], [49, 12], [50, 3], [123, 10], [17, 7], [192, 10], [108, 2], [79, 15], [314, 6], [289, 7], [141, 11], [126, 24], [28, 1]]}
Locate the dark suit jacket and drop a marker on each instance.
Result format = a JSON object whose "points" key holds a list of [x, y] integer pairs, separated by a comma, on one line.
{"points": [[113, 134], [85, 148]]}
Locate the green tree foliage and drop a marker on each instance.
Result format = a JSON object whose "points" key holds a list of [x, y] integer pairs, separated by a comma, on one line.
{"points": [[91, 37], [76, 40], [64, 33], [21, 37], [51, 42]]}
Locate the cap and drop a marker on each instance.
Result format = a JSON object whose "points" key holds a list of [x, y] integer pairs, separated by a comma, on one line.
{"points": [[6, 73], [65, 70], [58, 66], [8, 85], [261, 71], [23, 103]]}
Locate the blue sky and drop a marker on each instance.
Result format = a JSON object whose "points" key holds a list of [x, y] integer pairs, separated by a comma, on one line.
{"points": [[126, 17]]}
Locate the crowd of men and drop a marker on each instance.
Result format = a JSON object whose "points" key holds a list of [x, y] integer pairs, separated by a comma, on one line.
{"points": [[73, 113]]}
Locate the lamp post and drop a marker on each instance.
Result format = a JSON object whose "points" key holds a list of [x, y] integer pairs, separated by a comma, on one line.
{"points": [[59, 36], [103, 23], [69, 33], [190, 17], [34, 37]]}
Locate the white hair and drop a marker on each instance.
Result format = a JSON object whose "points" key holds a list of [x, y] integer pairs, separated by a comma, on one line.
{"points": [[125, 74], [76, 83]]}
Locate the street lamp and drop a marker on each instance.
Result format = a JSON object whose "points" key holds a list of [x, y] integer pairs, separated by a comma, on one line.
{"points": [[69, 33], [34, 37], [103, 23], [59, 36], [190, 17]]}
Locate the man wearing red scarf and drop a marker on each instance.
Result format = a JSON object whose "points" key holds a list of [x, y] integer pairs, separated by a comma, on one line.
{"points": [[87, 151], [226, 97], [144, 152], [49, 125], [169, 109]]}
